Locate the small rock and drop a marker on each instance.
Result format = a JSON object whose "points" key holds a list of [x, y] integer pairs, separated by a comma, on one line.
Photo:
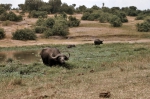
{"points": [[105, 94]]}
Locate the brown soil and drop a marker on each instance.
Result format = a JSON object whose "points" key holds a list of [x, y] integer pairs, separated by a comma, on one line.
{"points": [[78, 35]]}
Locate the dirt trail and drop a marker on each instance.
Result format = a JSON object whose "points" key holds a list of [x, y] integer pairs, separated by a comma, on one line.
{"points": [[11, 43], [86, 33]]}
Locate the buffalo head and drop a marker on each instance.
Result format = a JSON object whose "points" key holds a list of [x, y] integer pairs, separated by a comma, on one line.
{"points": [[61, 58]]}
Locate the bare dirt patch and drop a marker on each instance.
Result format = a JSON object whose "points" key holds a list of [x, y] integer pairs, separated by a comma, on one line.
{"points": [[85, 33]]}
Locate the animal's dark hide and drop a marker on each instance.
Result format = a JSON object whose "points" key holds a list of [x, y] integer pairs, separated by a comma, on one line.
{"points": [[52, 56], [70, 46], [98, 42]]}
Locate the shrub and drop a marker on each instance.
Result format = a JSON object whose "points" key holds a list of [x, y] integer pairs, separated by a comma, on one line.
{"points": [[95, 15], [12, 16], [55, 26], [91, 18], [143, 27], [24, 34], [48, 33], [85, 16], [19, 18], [40, 21], [64, 15], [147, 19], [122, 16], [140, 17], [2, 10], [3, 16], [36, 14], [49, 22], [115, 21], [2, 33], [39, 29], [73, 22], [132, 13], [104, 17], [60, 29]]}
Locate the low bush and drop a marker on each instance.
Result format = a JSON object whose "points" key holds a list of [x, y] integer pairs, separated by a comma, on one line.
{"points": [[2, 33], [49, 22], [104, 17], [90, 16], [36, 14], [85, 16], [39, 29], [40, 21], [3, 16], [48, 33], [139, 17], [73, 22], [60, 29], [122, 16], [143, 27], [13, 17], [115, 21], [24, 34]]}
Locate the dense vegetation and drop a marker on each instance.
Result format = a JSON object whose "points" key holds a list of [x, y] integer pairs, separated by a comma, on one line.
{"points": [[11, 16], [59, 25], [2, 33], [103, 14], [24, 34]]}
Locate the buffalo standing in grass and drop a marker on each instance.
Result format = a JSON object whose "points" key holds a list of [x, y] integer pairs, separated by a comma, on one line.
{"points": [[52, 56], [98, 42]]}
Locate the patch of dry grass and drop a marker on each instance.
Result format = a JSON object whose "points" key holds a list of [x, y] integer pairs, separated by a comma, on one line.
{"points": [[122, 69]]}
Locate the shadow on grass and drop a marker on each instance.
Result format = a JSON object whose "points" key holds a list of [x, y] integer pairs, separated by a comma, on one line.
{"points": [[68, 66]]}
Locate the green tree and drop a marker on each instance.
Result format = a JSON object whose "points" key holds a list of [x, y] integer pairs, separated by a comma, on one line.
{"points": [[2, 10], [6, 6], [33, 4], [82, 8], [95, 7], [132, 11], [45, 7], [55, 5], [21, 6], [67, 9]]}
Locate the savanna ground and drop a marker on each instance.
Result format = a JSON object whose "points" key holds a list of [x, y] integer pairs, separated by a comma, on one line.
{"points": [[120, 66]]}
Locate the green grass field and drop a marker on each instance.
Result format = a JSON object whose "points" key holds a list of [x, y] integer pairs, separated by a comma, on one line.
{"points": [[121, 68]]}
